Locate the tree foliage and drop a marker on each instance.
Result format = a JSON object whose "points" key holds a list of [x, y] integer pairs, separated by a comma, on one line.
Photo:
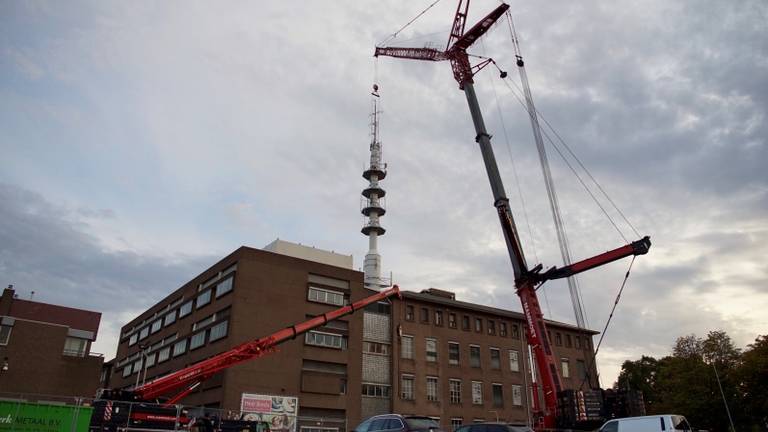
{"points": [[689, 382]]}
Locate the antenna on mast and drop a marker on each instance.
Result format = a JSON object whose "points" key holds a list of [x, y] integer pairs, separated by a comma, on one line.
{"points": [[373, 202]]}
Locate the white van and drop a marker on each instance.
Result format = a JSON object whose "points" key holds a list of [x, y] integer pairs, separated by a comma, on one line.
{"points": [[654, 423]]}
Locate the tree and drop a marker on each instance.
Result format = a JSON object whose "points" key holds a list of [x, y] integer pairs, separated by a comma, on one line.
{"points": [[752, 378], [688, 347], [640, 375], [718, 348]]}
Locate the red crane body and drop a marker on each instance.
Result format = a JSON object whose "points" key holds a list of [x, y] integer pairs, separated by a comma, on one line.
{"points": [[526, 281]]}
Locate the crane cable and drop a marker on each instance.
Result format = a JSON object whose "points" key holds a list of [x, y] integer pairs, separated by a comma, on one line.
{"points": [[593, 357], [517, 180], [568, 148], [554, 204], [394, 35]]}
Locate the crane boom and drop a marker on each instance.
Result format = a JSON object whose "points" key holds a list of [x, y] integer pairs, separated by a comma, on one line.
{"points": [[191, 376]]}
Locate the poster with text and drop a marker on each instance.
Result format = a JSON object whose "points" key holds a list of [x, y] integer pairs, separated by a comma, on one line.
{"points": [[279, 411]]}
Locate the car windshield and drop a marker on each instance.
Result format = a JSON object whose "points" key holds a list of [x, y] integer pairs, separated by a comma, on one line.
{"points": [[680, 423], [421, 423]]}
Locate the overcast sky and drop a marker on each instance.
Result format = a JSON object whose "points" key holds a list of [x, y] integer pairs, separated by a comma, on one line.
{"points": [[143, 141]]}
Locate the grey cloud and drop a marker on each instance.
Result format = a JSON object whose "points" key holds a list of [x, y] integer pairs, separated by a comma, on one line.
{"points": [[46, 249]]}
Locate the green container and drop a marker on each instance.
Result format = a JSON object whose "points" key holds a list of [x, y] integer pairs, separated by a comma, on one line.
{"points": [[33, 417]]}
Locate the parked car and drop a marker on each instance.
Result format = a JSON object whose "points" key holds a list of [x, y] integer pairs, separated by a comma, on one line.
{"points": [[493, 427], [398, 423], [654, 423]]}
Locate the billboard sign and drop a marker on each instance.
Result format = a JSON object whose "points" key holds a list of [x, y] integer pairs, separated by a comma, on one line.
{"points": [[279, 411]]}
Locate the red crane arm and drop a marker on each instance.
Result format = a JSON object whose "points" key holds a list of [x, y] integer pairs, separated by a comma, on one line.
{"points": [[191, 376], [429, 54], [479, 29], [639, 247]]}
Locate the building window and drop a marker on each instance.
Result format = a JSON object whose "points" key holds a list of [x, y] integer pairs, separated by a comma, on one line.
{"points": [[495, 358], [581, 370], [75, 347], [406, 387], [321, 295], [564, 366], [453, 353], [424, 315], [454, 390], [150, 360], [578, 342], [477, 393], [517, 395], [431, 346], [465, 322], [451, 320], [558, 339], [376, 390], [156, 326], [432, 391], [375, 348], [203, 322], [224, 287], [568, 341], [479, 325], [514, 362], [474, 356], [5, 334], [197, 340], [170, 318], [164, 354], [515, 331], [491, 327], [185, 309], [218, 331], [144, 333], [406, 347], [203, 299], [179, 347], [327, 340], [134, 338], [127, 371], [456, 422], [438, 318], [498, 395], [137, 366], [503, 329], [409, 313]]}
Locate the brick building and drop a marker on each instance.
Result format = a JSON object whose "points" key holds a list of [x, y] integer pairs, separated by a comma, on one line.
{"points": [[250, 294], [461, 362], [46, 349], [426, 354]]}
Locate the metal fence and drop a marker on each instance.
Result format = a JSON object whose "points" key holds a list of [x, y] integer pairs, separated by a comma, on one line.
{"points": [[47, 413]]}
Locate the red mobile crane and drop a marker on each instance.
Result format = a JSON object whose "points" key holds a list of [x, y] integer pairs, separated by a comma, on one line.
{"points": [[189, 378], [526, 280]]}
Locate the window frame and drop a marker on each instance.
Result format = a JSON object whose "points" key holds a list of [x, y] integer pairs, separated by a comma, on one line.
{"points": [[433, 388], [454, 393], [457, 360], [430, 356], [403, 346], [328, 295], [477, 385], [407, 392], [472, 362]]}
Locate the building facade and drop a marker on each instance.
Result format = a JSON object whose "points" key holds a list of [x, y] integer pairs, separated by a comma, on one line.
{"points": [[45, 350], [247, 295], [459, 362], [425, 354]]}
